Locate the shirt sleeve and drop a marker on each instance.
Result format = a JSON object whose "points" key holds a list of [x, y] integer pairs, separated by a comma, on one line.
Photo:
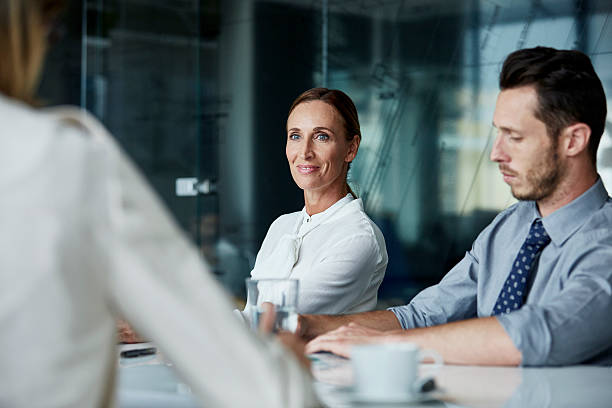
{"points": [[454, 298], [574, 326], [346, 272], [159, 283]]}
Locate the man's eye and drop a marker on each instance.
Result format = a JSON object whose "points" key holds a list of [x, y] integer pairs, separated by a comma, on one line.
{"points": [[322, 137], [294, 136]]}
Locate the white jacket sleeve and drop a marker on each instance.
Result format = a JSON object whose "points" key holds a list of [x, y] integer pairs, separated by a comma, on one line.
{"points": [[159, 283]]}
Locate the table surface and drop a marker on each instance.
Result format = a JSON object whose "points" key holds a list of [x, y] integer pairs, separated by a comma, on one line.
{"points": [[150, 382]]}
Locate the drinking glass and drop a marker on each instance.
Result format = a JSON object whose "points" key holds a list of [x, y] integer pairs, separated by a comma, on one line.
{"points": [[282, 293]]}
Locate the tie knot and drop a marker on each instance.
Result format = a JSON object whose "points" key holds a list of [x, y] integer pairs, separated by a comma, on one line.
{"points": [[537, 234]]}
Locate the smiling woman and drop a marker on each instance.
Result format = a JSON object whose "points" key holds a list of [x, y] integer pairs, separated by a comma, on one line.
{"points": [[332, 247]]}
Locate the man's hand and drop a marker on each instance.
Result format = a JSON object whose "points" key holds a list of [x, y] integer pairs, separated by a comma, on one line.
{"points": [[291, 341], [311, 326], [341, 340], [478, 341]]}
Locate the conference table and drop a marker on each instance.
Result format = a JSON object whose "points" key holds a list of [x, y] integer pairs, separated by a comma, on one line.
{"points": [[150, 382]]}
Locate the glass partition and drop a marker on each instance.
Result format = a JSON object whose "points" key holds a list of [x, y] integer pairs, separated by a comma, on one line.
{"points": [[424, 77], [197, 93]]}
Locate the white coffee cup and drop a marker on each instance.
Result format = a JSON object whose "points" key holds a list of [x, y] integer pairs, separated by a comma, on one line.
{"points": [[388, 372]]}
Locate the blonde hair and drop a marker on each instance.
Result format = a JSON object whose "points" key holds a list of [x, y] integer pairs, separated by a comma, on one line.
{"points": [[23, 28]]}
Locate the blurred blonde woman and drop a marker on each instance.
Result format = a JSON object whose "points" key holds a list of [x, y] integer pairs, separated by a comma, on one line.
{"points": [[83, 240]]}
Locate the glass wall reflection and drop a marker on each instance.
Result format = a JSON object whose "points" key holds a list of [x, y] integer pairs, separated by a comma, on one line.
{"points": [[200, 89]]}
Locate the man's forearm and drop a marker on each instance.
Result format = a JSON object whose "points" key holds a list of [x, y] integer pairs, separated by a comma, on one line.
{"points": [[310, 326], [481, 341]]}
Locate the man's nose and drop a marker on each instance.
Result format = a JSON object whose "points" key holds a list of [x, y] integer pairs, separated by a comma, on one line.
{"points": [[497, 151]]}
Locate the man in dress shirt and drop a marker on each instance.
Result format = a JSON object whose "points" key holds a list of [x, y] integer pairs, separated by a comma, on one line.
{"points": [[550, 116]]}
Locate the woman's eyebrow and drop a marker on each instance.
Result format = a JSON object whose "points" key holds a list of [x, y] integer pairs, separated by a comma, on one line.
{"points": [[316, 129]]}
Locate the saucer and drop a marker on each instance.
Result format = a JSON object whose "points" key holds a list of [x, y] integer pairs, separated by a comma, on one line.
{"points": [[415, 398]]}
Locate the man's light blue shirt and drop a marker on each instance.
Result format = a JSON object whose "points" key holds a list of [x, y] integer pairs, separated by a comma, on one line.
{"points": [[567, 316]]}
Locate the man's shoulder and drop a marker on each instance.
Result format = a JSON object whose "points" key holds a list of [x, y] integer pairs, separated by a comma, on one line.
{"points": [[516, 211], [600, 222], [506, 223]]}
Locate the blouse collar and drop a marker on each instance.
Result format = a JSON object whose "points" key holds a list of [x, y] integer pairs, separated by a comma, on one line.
{"points": [[324, 215]]}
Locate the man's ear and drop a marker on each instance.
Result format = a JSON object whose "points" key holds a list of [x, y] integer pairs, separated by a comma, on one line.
{"points": [[353, 148], [575, 139]]}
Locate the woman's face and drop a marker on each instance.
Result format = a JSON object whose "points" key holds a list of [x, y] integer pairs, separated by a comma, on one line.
{"points": [[317, 149]]}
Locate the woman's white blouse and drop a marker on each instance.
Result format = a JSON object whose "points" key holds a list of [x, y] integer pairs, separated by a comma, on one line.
{"points": [[83, 239], [338, 256]]}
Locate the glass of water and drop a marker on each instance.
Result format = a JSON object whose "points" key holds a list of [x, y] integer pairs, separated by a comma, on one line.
{"points": [[282, 293]]}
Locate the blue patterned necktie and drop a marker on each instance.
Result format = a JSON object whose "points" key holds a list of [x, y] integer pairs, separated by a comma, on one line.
{"points": [[512, 294]]}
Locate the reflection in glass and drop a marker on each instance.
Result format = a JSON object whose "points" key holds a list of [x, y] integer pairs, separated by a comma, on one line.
{"points": [[200, 88]]}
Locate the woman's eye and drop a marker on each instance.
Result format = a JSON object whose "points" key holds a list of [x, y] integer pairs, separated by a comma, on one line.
{"points": [[322, 137], [294, 136]]}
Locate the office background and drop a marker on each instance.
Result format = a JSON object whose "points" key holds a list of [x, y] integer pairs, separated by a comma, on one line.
{"points": [[200, 89]]}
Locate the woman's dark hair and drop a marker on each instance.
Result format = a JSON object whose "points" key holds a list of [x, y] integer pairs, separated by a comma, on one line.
{"points": [[343, 105], [569, 91]]}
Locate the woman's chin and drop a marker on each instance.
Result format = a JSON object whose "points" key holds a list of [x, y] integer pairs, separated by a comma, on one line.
{"points": [[320, 191], [307, 183]]}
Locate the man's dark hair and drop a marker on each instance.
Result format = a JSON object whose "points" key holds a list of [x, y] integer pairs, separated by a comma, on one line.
{"points": [[569, 91]]}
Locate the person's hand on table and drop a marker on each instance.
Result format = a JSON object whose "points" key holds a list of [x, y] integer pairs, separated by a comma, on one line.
{"points": [[310, 326], [291, 341], [126, 334], [341, 340], [302, 329]]}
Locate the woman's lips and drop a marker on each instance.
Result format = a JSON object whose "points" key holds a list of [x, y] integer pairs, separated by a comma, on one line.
{"points": [[302, 169]]}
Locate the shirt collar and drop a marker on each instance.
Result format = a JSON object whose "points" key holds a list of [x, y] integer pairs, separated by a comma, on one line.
{"points": [[319, 217], [562, 223]]}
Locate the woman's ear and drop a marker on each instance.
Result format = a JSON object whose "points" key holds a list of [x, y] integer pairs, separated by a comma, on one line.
{"points": [[353, 148]]}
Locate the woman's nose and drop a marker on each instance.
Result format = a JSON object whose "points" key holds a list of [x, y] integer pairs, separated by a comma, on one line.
{"points": [[306, 151]]}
